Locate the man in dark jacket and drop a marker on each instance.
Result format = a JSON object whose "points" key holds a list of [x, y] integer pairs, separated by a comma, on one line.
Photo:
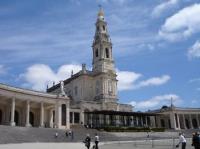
{"points": [[87, 141], [196, 140]]}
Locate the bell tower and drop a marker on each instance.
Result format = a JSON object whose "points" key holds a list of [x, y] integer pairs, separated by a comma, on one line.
{"points": [[102, 47], [103, 66]]}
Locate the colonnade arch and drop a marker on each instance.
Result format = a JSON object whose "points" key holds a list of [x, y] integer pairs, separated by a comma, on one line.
{"points": [[16, 118], [63, 114], [194, 123], [31, 118], [1, 116], [187, 123]]}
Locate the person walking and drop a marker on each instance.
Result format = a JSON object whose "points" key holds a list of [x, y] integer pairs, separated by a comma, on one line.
{"points": [[66, 133], [196, 140], [87, 141], [182, 141], [96, 141]]}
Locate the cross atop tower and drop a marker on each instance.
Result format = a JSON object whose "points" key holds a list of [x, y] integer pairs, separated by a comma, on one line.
{"points": [[100, 6], [100, 13]]}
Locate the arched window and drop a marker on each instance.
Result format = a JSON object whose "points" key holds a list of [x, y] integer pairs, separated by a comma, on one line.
{"points": [[107, 53], [96, 53], [97, 28]]}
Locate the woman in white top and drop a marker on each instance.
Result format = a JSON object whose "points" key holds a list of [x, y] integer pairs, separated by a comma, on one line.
{"points": [[182, 141]]}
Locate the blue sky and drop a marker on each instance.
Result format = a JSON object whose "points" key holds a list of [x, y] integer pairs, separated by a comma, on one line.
{"points": [[156, 46]]}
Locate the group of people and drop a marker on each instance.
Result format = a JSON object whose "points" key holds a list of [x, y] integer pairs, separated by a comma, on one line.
{"points": [[87, 141], [68, 133], [182, 140], [195, 140]]}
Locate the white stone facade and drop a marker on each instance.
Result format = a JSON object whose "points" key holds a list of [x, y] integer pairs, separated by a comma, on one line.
{"points": [[178, 118], [21, 107], [96, 89]]}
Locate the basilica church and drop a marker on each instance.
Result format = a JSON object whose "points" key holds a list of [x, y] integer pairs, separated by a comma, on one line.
{"points": [[87, 98], [94, 90]]}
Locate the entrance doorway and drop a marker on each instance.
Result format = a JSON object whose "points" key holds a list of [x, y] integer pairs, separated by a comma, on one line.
{"points": [[194, 123], [31, 116], [63, 114], [187, 123], [162, 122], [1, 117], [16, 118]]}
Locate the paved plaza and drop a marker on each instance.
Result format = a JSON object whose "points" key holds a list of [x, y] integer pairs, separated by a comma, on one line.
{"points": [[146, 144], [142, 144]]}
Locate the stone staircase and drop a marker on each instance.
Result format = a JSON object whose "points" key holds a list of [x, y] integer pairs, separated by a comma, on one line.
{"points": [[10, 134]]}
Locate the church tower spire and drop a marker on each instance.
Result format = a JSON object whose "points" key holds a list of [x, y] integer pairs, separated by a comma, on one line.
{"points": [[102, 46]]}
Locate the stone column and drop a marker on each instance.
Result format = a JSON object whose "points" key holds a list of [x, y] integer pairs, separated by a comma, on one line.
{"points": [[142, 123], [137, 122], [27, 114], [190, 117], [41, 114], [12, 118], [58, 115], [82, 117], [184, 125], [51, 118], [178, 121], [73, 118], [67, 116], [172, 120]]}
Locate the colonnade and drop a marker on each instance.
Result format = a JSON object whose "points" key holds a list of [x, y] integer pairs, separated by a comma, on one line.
{"points": [[42, 113], [28, 108], [101, 120], [180, 120]]}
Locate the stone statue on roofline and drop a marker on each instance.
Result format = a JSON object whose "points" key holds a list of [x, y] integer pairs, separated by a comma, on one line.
{"points": [[62, 92]]}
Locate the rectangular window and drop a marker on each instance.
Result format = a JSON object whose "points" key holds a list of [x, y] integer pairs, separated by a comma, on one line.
{"points": [[76, 117], [76, 90]]}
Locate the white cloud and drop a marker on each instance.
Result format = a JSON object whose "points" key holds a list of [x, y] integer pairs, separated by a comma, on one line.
{"points": [[158, 10], [2, 69], [155, 81], [130, 80], [39, 75], [194, 51], [156, 101], [127, 79], [194, 80], [182, 24]]}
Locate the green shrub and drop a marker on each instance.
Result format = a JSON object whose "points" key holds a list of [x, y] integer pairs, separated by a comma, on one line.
{"points": [[132, 129]]}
